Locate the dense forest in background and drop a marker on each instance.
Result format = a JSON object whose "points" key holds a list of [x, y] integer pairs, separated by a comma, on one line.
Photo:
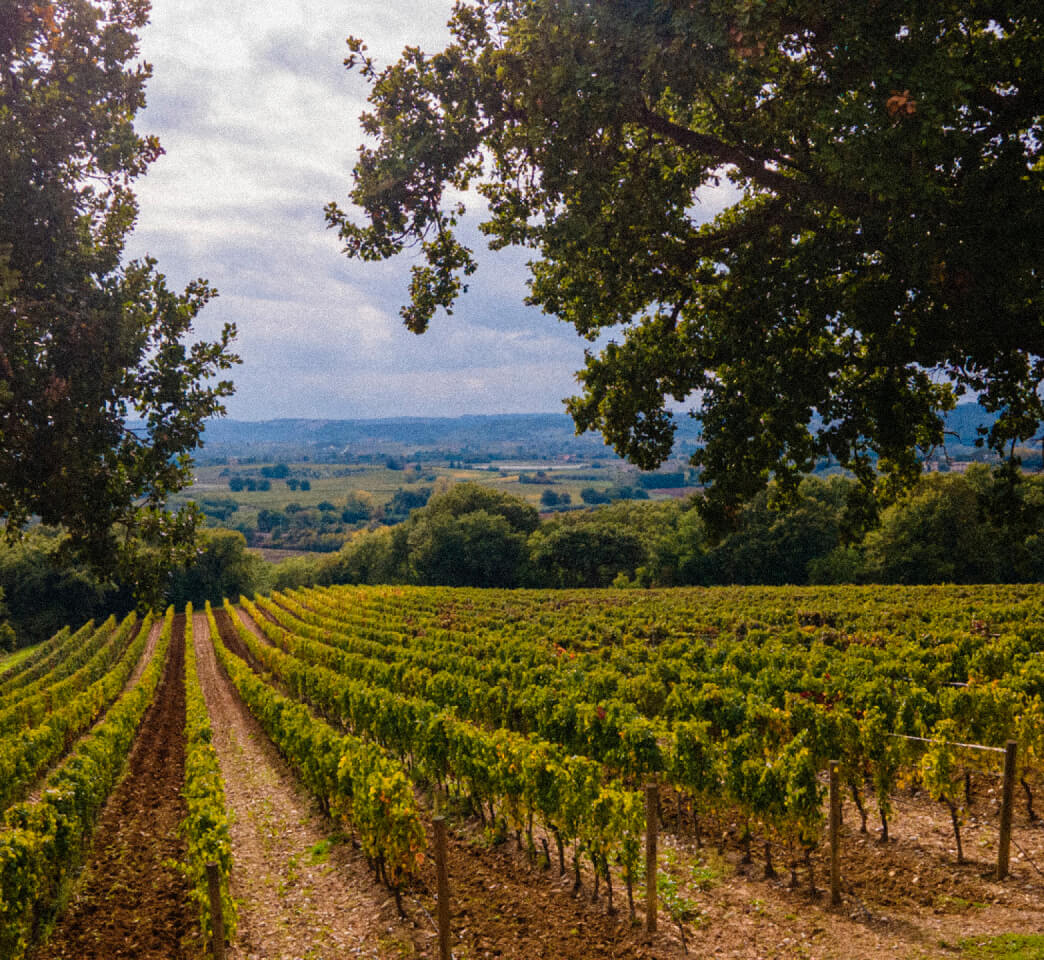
{"points": [[975, 526]]}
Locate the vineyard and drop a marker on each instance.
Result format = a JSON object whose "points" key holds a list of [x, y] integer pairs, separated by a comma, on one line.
{"points": [[731, 772]]}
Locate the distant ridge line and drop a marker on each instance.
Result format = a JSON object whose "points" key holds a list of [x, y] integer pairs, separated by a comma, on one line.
{"points": [[510, 434]]}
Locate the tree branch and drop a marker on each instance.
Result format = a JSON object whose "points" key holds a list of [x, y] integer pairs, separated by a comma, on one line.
{"points": [[851, 202], [727, 153], [774, 213]]}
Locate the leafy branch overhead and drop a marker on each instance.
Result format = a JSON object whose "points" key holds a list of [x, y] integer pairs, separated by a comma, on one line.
{"points": [[880, 254], [101, 397]]}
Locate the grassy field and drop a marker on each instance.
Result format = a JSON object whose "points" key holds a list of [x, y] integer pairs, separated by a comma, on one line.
{"points": [[10, 660], [1006, 947]]}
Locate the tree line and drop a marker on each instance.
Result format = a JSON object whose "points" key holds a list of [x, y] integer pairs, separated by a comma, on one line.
{"points": [[972, 527], [980, 526]]}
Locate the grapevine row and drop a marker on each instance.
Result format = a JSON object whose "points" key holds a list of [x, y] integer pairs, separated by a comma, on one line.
{"points": [[351, 777], [205, 827], [24, 756], [77, 671], [776, 783], [761, 712], [44, 658], [527, 777], [42, 844]]}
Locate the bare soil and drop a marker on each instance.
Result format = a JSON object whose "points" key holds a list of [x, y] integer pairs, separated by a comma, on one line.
{"points": [[130, 902], [146, 655], [303, 893], [276, 554], [907, 898], [502, 905]]}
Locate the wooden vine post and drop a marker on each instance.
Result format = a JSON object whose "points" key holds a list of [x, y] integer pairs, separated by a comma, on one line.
{"points": [[443, 888], [652, 806], [835, 836], [1007, 800], [217, 916]]}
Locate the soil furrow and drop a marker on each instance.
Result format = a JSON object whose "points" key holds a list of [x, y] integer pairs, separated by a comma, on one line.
{"points": [[146, 655], [303, 894], [129, 902]]}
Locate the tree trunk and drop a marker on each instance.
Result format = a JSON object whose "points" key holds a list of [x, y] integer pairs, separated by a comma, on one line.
{"points": [[608, 885], [770, 871], [857, 799], [1029, 800], [884, 825]]}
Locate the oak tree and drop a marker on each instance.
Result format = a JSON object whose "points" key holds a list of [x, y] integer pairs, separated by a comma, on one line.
{"points": [[101, 397], [882, 256]]}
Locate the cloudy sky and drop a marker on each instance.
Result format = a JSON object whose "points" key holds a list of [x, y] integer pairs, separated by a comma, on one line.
{"points": [[259, 120]]}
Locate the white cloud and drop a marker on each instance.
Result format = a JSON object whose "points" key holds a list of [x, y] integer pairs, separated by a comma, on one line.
{"points": [[259, 119], [509, 388]]}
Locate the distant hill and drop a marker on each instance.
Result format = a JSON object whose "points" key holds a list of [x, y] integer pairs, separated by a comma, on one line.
{"points": [[965, 420], [498, 435], [541, 435]]}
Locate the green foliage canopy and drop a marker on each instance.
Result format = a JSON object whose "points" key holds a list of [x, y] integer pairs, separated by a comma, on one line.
{"points": [[476, 548], [465, 498], [8, 639], [87, 343], [883, 256], [947, 528], [42, 594], [469, 535], [222, 567], [583, 554]]}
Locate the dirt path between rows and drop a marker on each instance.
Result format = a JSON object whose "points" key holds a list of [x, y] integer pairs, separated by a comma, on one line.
{"points": [[302, 895], [146, 655], [129, 903]]}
